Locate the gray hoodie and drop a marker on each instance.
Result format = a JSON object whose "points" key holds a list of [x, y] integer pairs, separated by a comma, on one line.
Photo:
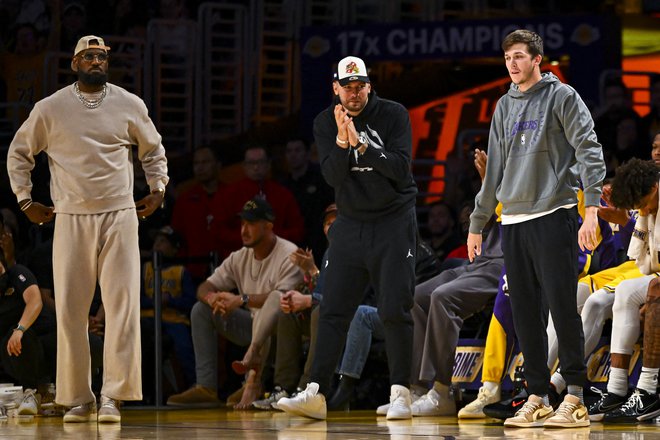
{"points": [[541, 143]]}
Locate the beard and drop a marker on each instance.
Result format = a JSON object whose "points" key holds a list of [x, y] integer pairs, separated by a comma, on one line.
{"points": [[92, 78]]}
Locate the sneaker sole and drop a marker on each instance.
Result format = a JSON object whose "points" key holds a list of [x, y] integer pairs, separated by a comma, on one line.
{"points": [[650, 415], [471, 415], [537, 424], [596, 417], [297, 412], [382, 411], [581, 424], [107, 418], [399, 416], [79, 419]]}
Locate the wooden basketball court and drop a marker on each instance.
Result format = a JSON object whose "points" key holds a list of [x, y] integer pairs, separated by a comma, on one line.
{"points": [[224, 423]]}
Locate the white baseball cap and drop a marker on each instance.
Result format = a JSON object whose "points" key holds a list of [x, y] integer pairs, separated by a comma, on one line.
{"points": [[90, 42], [351, 69]]}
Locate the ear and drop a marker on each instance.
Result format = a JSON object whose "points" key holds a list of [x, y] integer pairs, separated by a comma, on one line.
{"points": [[335, 88], [74, 64]]}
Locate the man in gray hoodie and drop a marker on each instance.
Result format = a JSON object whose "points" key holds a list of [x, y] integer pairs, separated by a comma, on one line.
{"points": [[541, 136]]}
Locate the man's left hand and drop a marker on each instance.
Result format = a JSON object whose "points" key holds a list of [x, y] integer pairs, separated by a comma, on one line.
{"points": [[147, 205]]}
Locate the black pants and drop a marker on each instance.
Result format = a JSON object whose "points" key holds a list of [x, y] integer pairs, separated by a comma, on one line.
{"points": [[540, 257], [382, 255], [26, 367]]}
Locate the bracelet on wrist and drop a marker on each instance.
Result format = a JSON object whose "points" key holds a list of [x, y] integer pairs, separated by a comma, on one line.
{"points": [[24, 207], [339, 141]]}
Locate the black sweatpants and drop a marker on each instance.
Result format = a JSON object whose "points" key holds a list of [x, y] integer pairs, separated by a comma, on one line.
{"points": [[381, 254], [541, 260]]}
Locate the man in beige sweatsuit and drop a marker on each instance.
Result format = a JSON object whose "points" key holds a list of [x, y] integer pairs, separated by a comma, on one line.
{"points": [[87, 130]]}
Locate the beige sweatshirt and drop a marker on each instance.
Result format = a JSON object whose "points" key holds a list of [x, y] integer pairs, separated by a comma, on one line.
{"points": [[275, 273], [89, 151]]}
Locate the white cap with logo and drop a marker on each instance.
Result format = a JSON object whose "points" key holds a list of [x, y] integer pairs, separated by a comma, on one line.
{"points": [[351, 69]]}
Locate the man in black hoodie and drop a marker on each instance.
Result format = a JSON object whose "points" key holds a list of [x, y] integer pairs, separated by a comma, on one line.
{"points": [[365, 147]]}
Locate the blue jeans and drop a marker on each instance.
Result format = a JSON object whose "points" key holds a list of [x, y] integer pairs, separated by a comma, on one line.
{"points": [[365, 325]]}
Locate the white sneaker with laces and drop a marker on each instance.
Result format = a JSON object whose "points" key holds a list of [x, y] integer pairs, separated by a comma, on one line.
{"points": [[382, 410], [400, 403], [475, 409], [30, 403], [308, 403], [433, 404]]}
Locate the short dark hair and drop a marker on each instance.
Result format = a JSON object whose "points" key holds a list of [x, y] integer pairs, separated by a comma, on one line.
{"points": [[533, 41], [633, 181]]}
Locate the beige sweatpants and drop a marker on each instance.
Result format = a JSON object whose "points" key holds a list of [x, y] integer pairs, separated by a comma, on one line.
{"points": [[87, 248]]}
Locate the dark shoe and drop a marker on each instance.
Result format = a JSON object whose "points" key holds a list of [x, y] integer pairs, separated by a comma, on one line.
{"points": [[342, 397], [506, 409], [640, 406], [607, 402]]}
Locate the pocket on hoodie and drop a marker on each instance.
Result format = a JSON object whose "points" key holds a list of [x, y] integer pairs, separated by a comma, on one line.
{"points": [[528, 178]]}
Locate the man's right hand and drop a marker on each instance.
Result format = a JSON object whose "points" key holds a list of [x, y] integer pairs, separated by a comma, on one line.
{"points": [[474, 245], [39, 214]]}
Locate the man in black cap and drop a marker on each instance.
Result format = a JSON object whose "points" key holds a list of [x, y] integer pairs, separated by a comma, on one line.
{"points": [[261, 270], [365, 147]]}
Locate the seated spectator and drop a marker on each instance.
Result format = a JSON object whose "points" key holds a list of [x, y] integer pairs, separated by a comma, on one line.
{"points": [[311, 191], [299, 320], [635, 186], [21, 351], [178, 297], [441, 226], [193, 209], [289, 223], [260, 271]]}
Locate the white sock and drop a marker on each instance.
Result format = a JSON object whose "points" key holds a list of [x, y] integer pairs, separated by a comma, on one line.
{"points": [[492, 387], [618, 381], [558, 381], [648, 380]]}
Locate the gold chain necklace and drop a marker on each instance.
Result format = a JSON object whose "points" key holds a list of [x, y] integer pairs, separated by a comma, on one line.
{"points": [[89, 103]]}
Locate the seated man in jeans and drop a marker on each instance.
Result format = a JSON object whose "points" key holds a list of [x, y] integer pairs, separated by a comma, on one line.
{"points": [[260, 271]]}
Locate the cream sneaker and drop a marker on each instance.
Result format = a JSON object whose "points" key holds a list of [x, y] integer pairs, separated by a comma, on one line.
{"points": [[475, 409], [307, 403], [532, 414], [570, 414]]}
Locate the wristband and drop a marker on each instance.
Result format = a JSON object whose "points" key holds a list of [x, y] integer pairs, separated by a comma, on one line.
{"points": [[20, 327], [24, 207], [339, 141]]}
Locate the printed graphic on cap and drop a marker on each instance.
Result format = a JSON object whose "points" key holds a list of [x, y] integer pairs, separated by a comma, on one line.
{"points": [[352, 68]]}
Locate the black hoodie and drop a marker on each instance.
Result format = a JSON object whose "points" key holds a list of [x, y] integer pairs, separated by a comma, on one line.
{"points": [[379, 184]]}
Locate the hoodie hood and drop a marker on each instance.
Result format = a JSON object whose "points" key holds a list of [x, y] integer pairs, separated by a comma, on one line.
{"points": [[546, 79]]}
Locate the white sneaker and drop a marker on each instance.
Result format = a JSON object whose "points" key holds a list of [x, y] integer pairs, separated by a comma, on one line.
{"points": [[475, 409], [30, 403], [399, 403], [307, 403], [382, 410], [433, 404]]}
